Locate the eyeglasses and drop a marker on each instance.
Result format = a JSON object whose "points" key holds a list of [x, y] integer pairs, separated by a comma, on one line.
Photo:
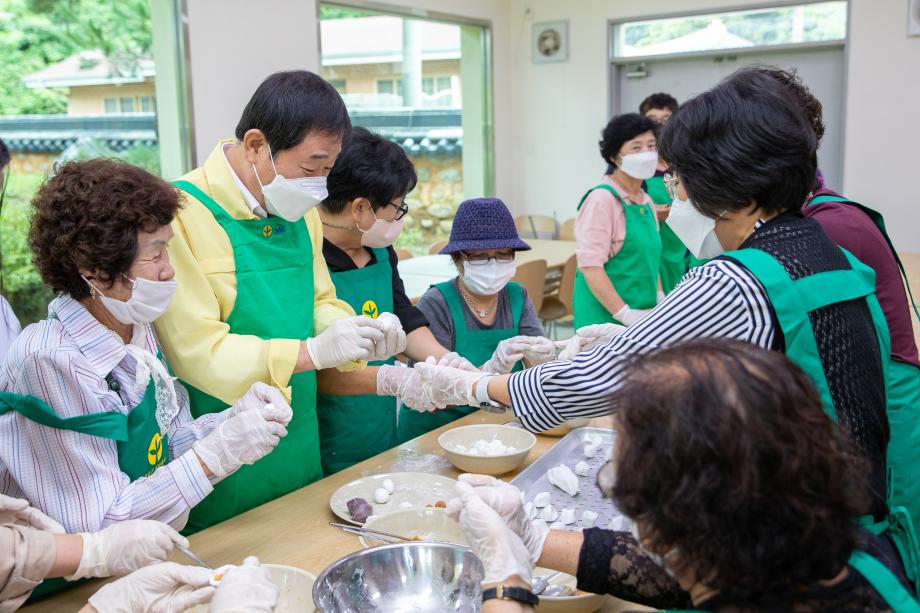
{"points": [[483, 259], [401, 209], [670, 183]]}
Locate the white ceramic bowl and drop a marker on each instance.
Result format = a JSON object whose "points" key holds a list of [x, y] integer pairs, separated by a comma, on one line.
{"points": [[522, 440], [426, 524], [580, 603], [296, 585]]}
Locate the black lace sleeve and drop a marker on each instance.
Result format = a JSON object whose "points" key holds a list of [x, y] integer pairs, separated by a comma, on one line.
{"points": [[612, 563]]}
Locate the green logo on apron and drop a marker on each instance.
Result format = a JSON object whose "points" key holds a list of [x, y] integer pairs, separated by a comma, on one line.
{"points": [[369, 308], [155, 449], [267, 230]]}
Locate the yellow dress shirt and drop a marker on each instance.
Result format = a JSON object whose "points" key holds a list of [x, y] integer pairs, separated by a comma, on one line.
{"points": [[193, 332]]}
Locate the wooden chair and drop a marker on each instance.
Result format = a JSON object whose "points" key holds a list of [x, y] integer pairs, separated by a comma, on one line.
{"points": [[403, 254], [559, 307], [567, 231], [536, 226], [532, 275], [436, 247]]}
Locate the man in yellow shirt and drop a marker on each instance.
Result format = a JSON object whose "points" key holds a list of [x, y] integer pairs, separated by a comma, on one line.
{"points": [[255, 300]]}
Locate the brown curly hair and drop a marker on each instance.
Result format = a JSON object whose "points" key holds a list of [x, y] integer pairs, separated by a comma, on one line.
{"points": [[87, 217], [727, 456]]}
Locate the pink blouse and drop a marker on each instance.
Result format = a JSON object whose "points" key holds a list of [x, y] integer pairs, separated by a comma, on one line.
{"points": [[600, 227]]}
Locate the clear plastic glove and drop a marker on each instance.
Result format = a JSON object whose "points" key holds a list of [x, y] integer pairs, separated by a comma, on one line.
{"points": [[502, 553], [505, 499], [448, 386], [406, 384], [394, 338], [258, 395], [630, 316], [540, 350], [588, 337], [453, 359], [243, 439], [508, 353], [124, 547], [19, 511], [163, 588], [246, 589], [346, 340]]}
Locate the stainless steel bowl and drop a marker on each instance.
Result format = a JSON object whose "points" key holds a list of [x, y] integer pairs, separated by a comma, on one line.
{"points": [[418, 577]]}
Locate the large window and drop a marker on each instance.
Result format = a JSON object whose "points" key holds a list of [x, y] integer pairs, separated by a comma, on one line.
{"points": [[425, 84], [785, 25], [79, 81]]}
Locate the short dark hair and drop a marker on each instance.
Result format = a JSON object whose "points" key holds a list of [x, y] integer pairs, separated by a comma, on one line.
{"points": [[660, 100], [805, 100], [621, 129], [743, 140], [4, 155], [369, 167], [727, 456], [289, 105], [87, 216]]}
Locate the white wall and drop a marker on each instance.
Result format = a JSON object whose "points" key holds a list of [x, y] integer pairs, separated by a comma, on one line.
{"points": [[561, 108], [234, 44]]}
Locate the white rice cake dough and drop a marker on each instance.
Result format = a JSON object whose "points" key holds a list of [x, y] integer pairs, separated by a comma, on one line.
{"points": [[562, 477]]}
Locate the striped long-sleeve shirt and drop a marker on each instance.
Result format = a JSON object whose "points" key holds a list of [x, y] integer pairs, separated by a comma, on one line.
{"points": [[75, 478], [718, 299]]}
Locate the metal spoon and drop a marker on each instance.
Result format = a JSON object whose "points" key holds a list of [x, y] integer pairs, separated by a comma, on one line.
{"points": [[541, 583], [191, 556]]}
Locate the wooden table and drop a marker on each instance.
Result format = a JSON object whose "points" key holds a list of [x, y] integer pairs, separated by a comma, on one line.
{"points": [[420, 272], [294, 529]]}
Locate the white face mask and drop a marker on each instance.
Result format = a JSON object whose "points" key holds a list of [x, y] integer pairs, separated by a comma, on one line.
{"points": [[381, 234], [694, 229], [489, 278], [291, 199], [149, 299], [639, 165]]}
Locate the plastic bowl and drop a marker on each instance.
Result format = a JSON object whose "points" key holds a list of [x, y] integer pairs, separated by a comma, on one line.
{"points": [[296, 588], [522, 440], [582, 602], [418, 577]]}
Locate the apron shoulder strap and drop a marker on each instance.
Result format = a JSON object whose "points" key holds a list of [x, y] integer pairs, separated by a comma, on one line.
{"points": [[516, 300], [209, 203], [604, 186], [884, 582], [110, 425], [879, 222], [382, 255], [452, 297]]}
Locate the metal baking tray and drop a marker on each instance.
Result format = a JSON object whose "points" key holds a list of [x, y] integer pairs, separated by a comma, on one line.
{"points": [[569, 451]]}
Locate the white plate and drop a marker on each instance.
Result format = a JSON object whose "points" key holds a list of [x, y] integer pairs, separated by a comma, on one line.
{"points": [[424, 524], [418, 489]]}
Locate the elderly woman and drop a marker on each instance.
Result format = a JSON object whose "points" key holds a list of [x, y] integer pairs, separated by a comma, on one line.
{"points": [[616, 231], [775, 279], [703, 421], [481, 314], [93, 429]]}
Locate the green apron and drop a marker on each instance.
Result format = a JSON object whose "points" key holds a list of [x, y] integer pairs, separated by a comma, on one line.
{"points": [[633, 270], [477, 346], [274, 299], [142, 448], [674, 255], [354, 428], [792, 302], [903, 399], [878, 575]]}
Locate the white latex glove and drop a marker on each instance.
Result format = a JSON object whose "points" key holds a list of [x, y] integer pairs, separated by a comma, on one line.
{"points": [[501, 551], [505, 499], [243, 439], [448, 386], [394, 338], [455, 360], [19, 511], [406, 384], [659, 297], [256, 397], [630, 316], [539, 350], [124, 547], [246, 589], [163, 588], [588, 337], [508, 353], [346, 340]]}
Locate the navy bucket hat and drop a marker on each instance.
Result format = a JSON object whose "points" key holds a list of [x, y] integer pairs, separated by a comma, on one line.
{"points": [[483, 223]]}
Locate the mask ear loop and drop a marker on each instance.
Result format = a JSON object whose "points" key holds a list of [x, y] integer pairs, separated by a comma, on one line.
{"points": [[272, 160]]}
